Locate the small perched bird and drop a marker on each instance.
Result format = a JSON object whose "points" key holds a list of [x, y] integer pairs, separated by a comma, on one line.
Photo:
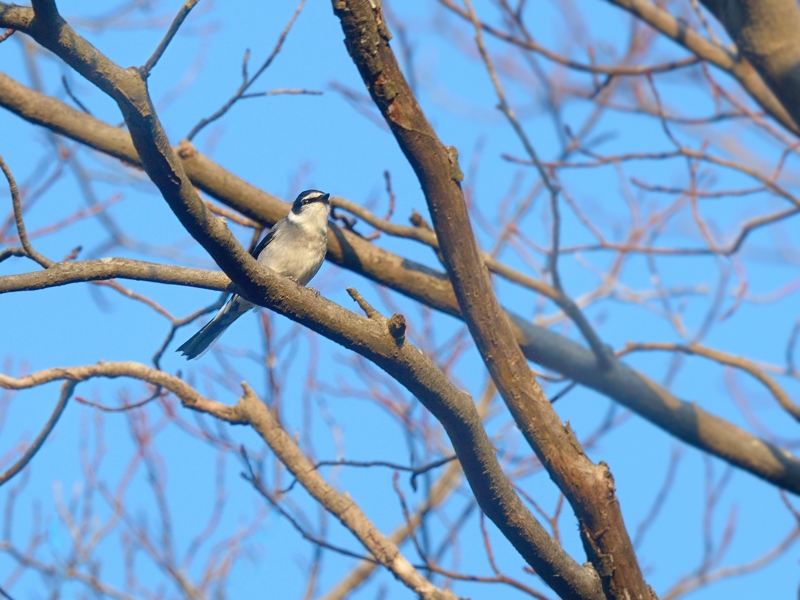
{"points": [[295, 248]]}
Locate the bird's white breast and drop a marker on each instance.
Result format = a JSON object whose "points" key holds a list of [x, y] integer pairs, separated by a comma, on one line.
{"points": [[300, 244]]}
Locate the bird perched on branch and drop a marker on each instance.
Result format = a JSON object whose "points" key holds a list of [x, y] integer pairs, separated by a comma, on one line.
{"points": [[295, 248]]}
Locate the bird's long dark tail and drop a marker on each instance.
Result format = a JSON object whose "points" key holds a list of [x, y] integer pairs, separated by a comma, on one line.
{"points": [[198, 344]]}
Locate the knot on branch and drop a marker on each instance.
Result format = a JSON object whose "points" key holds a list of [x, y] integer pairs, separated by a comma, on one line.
{"points": [[608, 479], [417, 220], [397, 328], [186, 150], [380, 21], [456, 174]]}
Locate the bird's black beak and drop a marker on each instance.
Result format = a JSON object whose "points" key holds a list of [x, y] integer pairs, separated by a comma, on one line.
{"points": [[326, 198]]}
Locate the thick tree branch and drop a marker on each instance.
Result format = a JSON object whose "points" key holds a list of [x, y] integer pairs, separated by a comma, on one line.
{"points": [[766, 33], [730, 360], [686, 421], [371, 337], [588, 487], [741, 67]]}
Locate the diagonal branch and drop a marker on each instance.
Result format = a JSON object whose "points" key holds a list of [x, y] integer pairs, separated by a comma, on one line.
{"points": [[740, 67], [588, 487], [66, 392], [363, 570], [248, 81], [766, 34], [731, 360], [173, 29], [341, 505], [17, 205], [250, 410], [602, 352], [737, 66]]}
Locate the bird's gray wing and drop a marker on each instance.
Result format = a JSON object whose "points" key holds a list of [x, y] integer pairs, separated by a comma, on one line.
{"points": [[264, 242]]}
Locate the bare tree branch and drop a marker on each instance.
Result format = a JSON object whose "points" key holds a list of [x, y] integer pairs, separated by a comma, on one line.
{"points": [[128, 88], [439, 491], [588, 487], [248, 81], [739, 67], [602, 352], [687, 421], [23, 236], [340, 505], [765, 32], [173, 29], [634, 231], [66, 392], [724, 358]]}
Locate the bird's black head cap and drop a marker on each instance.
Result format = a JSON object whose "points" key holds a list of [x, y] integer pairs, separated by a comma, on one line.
{"points": [[309, 197]]}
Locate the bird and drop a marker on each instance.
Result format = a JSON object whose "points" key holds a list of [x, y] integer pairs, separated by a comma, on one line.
{"points": [[294, 247]]}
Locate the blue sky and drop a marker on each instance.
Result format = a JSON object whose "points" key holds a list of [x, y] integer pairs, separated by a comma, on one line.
{"points": [[284, 144]]}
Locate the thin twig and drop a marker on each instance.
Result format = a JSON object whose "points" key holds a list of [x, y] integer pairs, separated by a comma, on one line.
{"points": [[255, 480], [12, 251], [66, 391], [247, 81], [415, 471], [178, 323], [610, 70], [660, 498], [23, 236], [173, 29], [282, 91], [730, 360], [602, 354], [72, 96]]}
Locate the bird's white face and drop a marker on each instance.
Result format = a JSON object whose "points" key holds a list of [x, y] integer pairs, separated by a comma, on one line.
{"points": [[314, 214]]}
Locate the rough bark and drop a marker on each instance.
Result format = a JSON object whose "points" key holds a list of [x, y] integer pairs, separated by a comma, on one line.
{"points": [[767, 34], [588, 487]]}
